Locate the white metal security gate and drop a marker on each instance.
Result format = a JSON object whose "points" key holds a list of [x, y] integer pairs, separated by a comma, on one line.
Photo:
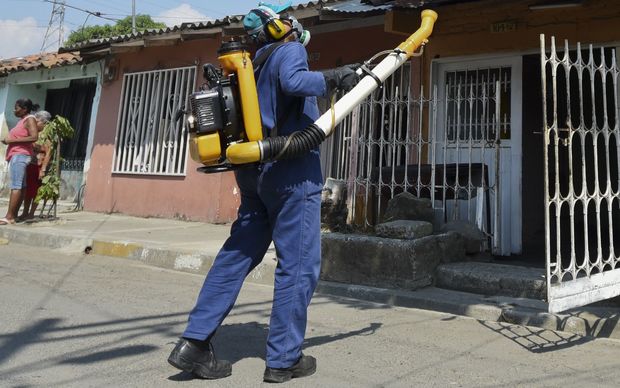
{"points": [[582, 194]]}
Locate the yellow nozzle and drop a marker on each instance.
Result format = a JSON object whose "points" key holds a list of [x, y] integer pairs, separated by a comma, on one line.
{"points": [[421, 35]]}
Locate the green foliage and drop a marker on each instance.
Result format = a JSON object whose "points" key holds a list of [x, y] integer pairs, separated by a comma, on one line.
{"points": [[121, 27], [54, 132], [49, 189]]}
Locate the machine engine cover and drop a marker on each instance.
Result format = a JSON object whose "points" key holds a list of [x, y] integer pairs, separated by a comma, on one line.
{"points": [[206, 109]]}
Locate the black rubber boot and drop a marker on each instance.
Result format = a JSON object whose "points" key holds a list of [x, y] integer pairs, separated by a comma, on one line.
{"points": [[305, 366], [198, 360]]}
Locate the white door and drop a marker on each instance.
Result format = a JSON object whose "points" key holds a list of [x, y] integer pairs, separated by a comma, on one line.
{"points": [[479, 108]]}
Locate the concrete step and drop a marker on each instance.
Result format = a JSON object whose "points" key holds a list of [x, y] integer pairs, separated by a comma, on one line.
{"points": [[493, 279]]}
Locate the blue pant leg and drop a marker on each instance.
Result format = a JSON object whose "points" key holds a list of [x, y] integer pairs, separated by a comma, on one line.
{"points": [[297, 239], [249, 240]]}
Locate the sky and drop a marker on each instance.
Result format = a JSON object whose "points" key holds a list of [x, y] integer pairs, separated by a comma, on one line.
{"points": [[23, 23]]}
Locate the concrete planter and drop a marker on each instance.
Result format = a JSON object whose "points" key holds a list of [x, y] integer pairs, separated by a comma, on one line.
{"points": [[387, 262]]}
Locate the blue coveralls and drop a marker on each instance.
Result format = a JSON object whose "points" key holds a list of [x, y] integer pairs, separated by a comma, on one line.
{"points": [[281, 201]]}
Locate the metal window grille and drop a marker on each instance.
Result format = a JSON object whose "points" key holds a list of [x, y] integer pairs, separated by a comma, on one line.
{"points": [[393, 142], [149, 140], [474, 87], [72, 164]]}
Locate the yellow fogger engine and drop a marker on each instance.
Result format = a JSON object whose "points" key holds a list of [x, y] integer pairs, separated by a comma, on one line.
{"points": [[225, 111]]}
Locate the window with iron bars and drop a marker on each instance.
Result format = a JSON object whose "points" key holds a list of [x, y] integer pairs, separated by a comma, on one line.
{"points": [[149, 139], [470, 105]]}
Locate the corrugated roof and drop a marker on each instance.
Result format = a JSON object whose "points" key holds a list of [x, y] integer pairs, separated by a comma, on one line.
{"points": [[38, 61], [356, 8], [154, 32], [344, 8], [426, 3], [205, 25]]}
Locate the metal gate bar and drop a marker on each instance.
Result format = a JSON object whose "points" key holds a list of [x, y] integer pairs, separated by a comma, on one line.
{"points": [[582, 179]]}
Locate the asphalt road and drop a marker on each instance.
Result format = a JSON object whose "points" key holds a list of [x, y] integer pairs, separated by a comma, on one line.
{"points": [[71, 320]]}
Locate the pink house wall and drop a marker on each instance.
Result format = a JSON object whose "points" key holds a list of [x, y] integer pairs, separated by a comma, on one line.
{"points": [[196, 196]]}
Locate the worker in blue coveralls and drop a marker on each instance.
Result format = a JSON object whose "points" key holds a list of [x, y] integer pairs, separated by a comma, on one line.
{"points": [[280, 200]]}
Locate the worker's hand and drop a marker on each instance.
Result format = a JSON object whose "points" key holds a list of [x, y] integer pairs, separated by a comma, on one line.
{"points": [[342, 78]]}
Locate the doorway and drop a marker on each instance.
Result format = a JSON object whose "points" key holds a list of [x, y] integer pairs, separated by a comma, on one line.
{"points": [[493, 86], [75, 103]]}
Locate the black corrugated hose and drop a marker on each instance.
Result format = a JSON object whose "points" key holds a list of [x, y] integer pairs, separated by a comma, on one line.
{"points": [[293, 145]]}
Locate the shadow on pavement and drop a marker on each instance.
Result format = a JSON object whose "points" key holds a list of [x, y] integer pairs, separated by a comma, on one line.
{"points": [[534, 339]]}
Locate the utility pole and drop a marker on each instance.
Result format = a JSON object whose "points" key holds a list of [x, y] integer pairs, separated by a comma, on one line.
{"points": [[55, 27], [133, 16]]}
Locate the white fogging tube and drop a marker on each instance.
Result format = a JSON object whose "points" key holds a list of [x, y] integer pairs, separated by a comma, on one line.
{"points": [[382, 71]]}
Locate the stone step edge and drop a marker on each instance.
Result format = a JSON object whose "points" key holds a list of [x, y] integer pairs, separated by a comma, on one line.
{"points": [[455, 279], [586, 322]]}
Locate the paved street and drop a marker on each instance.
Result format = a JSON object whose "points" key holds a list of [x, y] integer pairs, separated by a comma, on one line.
{"points": [[70, 320]]}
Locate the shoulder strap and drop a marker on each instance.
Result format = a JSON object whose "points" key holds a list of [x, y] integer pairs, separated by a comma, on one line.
{"points": [[256, 63], [259, 60]]}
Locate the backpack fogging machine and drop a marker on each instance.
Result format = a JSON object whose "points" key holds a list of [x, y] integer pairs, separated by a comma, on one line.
{"points": [[224, 118]]}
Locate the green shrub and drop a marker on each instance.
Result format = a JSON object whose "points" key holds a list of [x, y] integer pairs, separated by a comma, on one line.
{"points": [[54, 132]]}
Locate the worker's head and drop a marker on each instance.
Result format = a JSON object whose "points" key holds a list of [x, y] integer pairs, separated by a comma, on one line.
{"points": [[267, 23]]}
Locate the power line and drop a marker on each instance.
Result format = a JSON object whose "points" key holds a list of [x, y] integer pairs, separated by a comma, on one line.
{"points": [[57, 21], [93, 13], [159, 17]]}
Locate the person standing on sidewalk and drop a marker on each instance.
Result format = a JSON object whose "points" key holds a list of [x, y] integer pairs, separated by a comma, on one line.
{"points": [[280, 200], [19, 154], [36, 169]]}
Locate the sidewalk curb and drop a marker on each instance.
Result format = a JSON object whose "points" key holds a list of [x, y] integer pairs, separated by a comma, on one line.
{"points": [[27, 237], [193, 262], [593, 322]]}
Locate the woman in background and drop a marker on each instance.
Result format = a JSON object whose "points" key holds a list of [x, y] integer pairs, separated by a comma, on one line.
{"points": [[36, 169], [19, 153]]}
